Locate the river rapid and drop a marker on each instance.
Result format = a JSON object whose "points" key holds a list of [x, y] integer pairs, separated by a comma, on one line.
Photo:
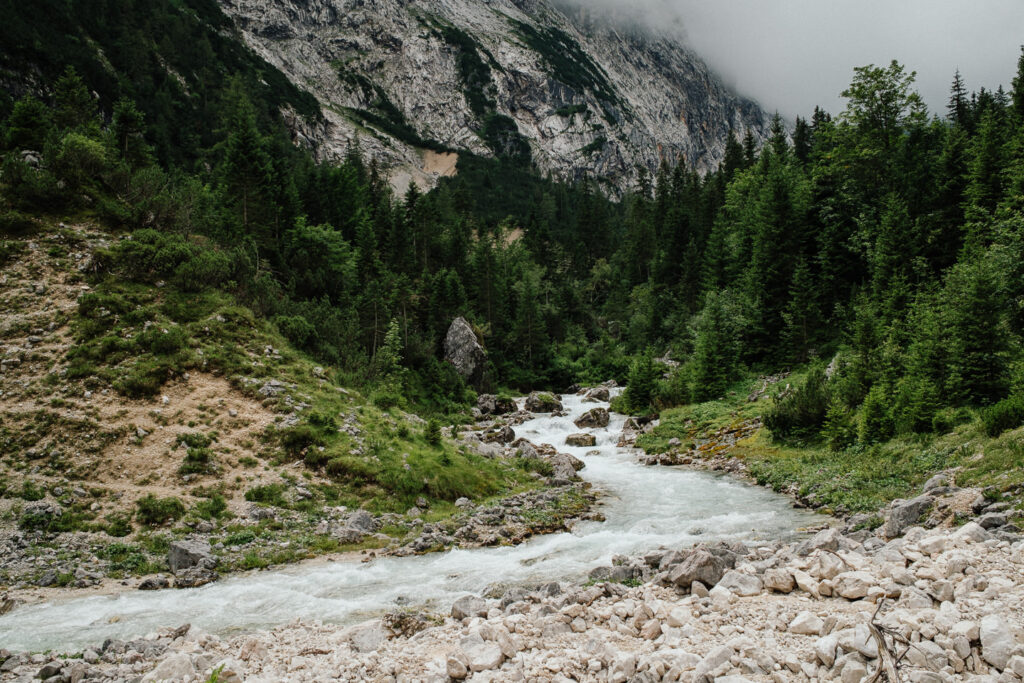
{"points": [[645, 507]]}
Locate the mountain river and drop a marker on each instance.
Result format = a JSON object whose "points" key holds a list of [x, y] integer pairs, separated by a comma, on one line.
{"points": [[645, 507]]}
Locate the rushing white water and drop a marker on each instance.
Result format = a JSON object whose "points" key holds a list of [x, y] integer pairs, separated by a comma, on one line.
{"points": [[646, 507]]}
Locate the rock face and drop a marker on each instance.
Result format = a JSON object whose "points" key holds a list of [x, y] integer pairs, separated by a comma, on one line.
{"points": [[588, 97], [463, 350]]}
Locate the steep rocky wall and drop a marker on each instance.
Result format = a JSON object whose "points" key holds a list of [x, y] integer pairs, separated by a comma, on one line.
{"points": [[591, 98]]}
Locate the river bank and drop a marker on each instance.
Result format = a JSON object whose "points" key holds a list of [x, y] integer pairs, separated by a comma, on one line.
{"points": [[690, 507], [936, 605]]}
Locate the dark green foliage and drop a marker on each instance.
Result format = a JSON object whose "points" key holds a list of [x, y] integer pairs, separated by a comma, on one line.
{"points": [[432, 433], [213, 507], [839, 430], [641, 385], [876, 423], [152, 511], [268, 494], [1007, 414], [800, 413]]}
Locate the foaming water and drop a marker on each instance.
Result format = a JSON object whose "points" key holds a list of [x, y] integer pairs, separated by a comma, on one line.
{"points": [[645, 507]]}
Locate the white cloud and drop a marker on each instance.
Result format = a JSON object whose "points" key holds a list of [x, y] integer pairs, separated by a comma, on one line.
{"points": [[791, 55]]}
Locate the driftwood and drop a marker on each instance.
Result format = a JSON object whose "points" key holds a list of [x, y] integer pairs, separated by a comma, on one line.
{"points": [[887, 641]]}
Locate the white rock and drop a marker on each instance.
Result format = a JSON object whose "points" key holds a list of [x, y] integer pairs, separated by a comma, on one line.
{"points": [[482, 655], [825, 650], [779, 580], [932, 545], [721, 597], [806, 624], [714, 659], [853, 672], [852, 585], [679, 616], [743, 585], [174, 667], [997, 641], [622, 668]]}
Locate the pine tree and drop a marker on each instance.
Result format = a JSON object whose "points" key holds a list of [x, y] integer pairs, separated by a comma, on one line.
{"points": [[958, 111], [73, 106], [802, 140], [28, 126], [129, 130], [246, 167], [1018, 87]]}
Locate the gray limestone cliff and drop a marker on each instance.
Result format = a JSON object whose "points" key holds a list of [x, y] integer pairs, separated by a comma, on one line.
{"points": [[414, 83]]}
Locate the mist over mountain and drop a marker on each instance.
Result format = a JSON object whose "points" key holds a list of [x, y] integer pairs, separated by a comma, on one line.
{"points": [[791, 56]]}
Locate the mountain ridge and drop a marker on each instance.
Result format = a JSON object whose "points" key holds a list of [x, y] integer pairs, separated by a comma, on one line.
{"points": [[589, 98]]}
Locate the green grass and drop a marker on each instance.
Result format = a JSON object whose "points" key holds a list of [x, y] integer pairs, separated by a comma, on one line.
{"points": [[860, 478]]}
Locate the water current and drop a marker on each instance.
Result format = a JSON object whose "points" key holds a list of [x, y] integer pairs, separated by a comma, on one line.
{"points": [[645, 507]]}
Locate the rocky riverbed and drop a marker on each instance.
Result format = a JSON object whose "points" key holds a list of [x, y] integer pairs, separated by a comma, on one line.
{"points": [[935, 605]]}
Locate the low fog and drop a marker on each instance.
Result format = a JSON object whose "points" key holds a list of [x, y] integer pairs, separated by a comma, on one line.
{"points": [[791, 55]]}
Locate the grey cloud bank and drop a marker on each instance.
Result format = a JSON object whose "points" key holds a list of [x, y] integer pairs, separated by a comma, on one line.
{"points": [[791, 55]]}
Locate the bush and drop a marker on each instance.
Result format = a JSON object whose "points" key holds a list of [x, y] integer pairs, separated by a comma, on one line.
{"points": [[297, 329], [152, 511], [1007, 414], [316, 458], [948, 419], [386, 399], [800, 413], [80, 159], [163, 341], [296, 440], [206, 269], [213, 507], [268, 494], [346, 467], [197, 461], [118, 525]]}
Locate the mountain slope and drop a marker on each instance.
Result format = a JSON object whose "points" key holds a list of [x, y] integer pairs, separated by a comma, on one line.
{"points": [[409, 80]]}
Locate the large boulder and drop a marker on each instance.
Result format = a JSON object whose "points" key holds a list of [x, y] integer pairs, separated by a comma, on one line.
{"points": [[599, 394], [581, 440], [597, 417], [190, 553], [463, 350], [539, 402], [500, 434], [700, 565], [905, 514], [489, 404]]}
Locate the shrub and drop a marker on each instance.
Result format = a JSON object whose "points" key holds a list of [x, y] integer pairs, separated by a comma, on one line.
{"points": [[80, 159], [213, 507], [118, 525], [152, 511], [207, 268], [346, 467], [800, 413], [296, 328], [316, 458], [268, 494], [1007, 414], [299, 438], [386, 399], [197, 461]]}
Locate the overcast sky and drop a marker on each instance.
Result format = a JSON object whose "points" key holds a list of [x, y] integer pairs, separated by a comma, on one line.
{"points": [[790, 55]]}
